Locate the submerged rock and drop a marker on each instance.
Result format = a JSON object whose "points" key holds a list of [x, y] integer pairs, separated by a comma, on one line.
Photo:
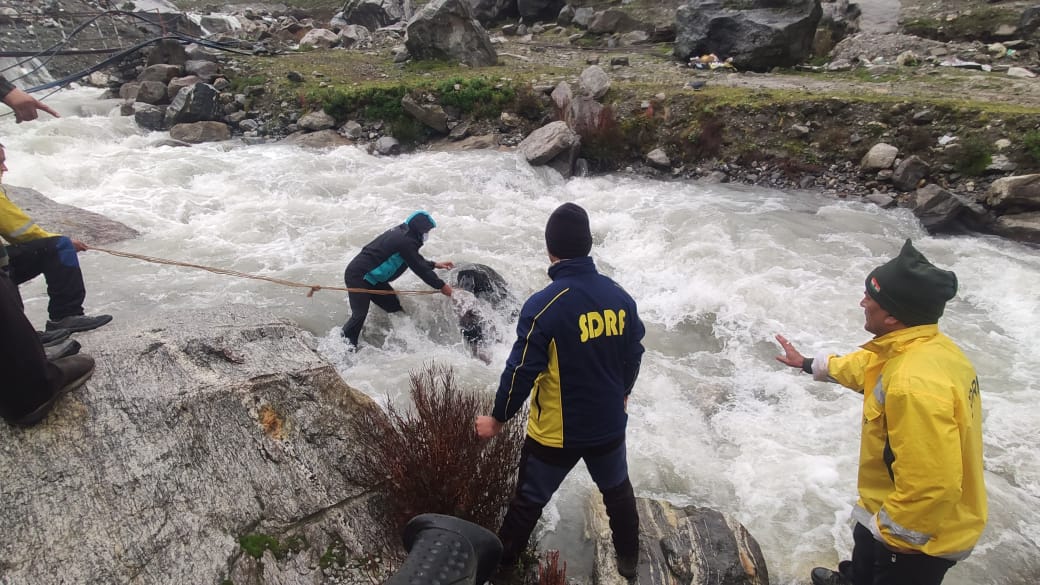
{"points": [[688, 546]]}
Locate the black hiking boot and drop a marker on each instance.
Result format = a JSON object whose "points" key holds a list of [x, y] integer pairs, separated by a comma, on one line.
{"points": [[76, 323], [49, 338], [628, 565], [75, 371], [62, 349], [824, 576]]}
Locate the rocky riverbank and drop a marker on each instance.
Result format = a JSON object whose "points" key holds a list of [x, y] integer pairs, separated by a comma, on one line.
{"points": [[952, 116]]}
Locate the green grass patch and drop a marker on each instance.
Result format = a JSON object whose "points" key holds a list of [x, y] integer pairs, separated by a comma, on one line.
{"points": [[1031, 143], [973, 156], [477, 95], [372, 102], [978, 25], [239, 84], [255, 544]]}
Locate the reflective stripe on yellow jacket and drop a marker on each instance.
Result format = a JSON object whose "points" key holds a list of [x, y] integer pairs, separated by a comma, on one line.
{"points": [[920, 464], [15, 225]]}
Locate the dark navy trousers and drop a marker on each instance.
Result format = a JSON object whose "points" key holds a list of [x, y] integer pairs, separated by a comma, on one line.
{"points": [[543, 469], [55, 258], [874, 564]]}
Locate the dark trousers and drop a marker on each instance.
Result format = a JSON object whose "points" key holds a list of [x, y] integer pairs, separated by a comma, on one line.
{"points": [[875, 564], [29, 379], [543, 469], [56, 260], [359, 305]]}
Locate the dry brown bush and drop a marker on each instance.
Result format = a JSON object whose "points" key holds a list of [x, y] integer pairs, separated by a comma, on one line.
{"points": [[427, 458]]}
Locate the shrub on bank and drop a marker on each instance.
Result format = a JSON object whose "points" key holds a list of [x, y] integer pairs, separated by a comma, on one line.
{"points": [[972, 156], [1031, 143], [428, 458]]}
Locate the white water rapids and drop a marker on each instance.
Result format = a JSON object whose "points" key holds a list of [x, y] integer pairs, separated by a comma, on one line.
{"points": [[717, 270]]}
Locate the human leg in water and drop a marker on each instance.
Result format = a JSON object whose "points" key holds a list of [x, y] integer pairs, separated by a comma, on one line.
{"points": [[359, 303]]}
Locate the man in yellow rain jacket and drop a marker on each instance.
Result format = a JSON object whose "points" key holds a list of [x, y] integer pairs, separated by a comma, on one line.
{"points": [[922, 498], [32, 251]]}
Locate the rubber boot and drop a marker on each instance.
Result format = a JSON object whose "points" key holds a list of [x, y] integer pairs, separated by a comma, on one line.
{"points": [[620, 503], [519, 523]]}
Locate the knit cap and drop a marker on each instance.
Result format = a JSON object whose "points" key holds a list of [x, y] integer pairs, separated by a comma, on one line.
{"points": [[910, 288], [567, 233]]}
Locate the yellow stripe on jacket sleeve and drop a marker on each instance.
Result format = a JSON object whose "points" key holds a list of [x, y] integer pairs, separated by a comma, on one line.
{"points": [[527, 344]]}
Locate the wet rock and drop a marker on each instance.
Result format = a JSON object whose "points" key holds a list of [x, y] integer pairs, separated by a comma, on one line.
{"points": [[534, 10], [759, 35], [327, 138], [430, 115], [373, 14], [199, 132], [317, 120], [446, 29], [150, 117], [942, 211], [594, 82], [178, 83], [1014, 193], [688, 545], [613, 20], [1022, 227], [547, 142], [909, 173], [657, 158], [151, 92], [387, 146], [161, 72], [320, 38], [196, 103], [74, 222], [880, 156], [207, 71]]}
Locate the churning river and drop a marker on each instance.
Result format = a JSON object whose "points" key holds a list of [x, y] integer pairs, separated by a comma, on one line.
{"points": [[717, 270]]}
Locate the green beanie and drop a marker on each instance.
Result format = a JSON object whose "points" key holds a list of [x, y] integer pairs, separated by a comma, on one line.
{"points": [[910, 288]]}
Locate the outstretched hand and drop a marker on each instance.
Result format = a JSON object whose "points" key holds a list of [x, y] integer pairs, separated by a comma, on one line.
{"points": [[25, 106], [791, 356], [444, 265]]}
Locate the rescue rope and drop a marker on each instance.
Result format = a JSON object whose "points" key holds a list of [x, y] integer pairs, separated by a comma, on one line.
{"points": [[313, 288]]}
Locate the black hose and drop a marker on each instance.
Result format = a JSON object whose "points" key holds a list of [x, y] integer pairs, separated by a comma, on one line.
{"points": [[56, 49]]}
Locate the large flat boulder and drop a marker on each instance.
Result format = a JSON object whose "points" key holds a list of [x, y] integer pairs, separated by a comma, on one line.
{"points": [[58, 218], [446, 30], [209, 446], [757, 34]]}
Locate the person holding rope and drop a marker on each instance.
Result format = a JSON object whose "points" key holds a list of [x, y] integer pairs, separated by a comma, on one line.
{"points": [[382, 261], [33, 251], [32, 383]]}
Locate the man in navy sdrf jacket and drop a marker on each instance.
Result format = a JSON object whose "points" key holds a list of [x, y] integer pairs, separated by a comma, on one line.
{"points": [[577, 355]]}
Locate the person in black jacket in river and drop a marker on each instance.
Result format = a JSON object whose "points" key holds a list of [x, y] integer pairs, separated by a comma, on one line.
{"points": [[577, 354], [383, 260]]}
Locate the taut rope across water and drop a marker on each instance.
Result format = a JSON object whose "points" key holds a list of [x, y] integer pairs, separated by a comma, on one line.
{"points": [[313, 288]]}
